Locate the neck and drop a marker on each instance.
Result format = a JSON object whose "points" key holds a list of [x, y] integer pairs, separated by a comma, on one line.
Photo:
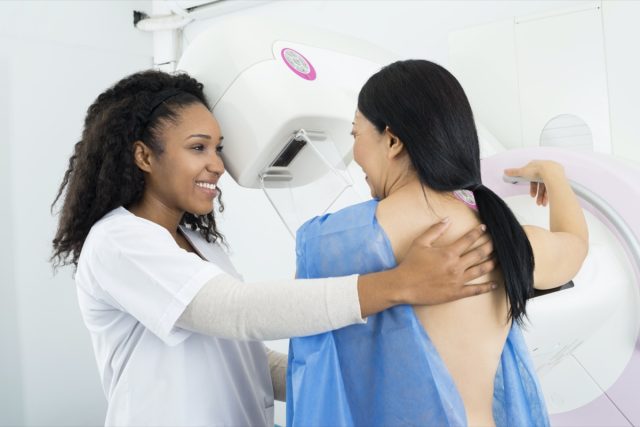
{"points": [[410, 190], [403, 181], [153, 209]]}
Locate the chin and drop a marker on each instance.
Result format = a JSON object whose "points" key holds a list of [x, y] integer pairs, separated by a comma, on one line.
{"points": [[201, 211]]}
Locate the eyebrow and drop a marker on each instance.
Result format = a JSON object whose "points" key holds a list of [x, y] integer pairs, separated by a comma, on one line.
{"points": [[201, 135]]}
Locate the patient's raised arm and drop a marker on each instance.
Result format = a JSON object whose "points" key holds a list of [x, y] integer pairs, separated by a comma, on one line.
{"points": [[560, 251]]}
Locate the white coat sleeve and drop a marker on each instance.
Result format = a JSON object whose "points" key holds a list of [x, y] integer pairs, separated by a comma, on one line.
{"points": [[229, 308], [144, 273]]}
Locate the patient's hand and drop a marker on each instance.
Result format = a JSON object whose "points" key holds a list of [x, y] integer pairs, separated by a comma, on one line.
{"points": [[439, 274], [538, 172]]}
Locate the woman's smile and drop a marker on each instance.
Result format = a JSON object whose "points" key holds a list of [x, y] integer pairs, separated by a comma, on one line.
{"points": [[208, 188]]}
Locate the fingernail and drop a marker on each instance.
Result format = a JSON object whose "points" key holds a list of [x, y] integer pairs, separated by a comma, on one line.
{"points": [[483, 227], [494, 286], [445, 219]]}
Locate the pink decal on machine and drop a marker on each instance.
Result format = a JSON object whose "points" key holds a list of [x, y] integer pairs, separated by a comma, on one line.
{"points": [[298, 63]]}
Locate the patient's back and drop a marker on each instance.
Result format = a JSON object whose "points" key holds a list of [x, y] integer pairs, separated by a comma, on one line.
{"points": [[469, 334]]}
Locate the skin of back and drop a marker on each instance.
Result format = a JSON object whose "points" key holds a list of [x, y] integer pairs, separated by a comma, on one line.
{"points": [[470, 333]]}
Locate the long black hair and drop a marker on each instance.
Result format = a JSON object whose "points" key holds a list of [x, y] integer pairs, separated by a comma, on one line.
{"points": [[425, 106], [102, 174]]}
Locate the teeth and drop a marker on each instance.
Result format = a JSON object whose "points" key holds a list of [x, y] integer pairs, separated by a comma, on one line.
{"points": [[206, 185]]}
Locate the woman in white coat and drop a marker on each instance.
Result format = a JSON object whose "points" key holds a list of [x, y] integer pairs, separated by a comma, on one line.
{"points": [[176, 334]]}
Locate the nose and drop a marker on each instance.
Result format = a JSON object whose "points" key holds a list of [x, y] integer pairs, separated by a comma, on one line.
{"points": [[216, 165]]}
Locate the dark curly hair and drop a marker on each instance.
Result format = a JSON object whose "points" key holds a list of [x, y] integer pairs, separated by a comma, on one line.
{"points": [[102, 174]]}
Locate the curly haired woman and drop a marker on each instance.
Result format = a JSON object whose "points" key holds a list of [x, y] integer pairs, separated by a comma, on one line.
{"points": [[175, 332]]}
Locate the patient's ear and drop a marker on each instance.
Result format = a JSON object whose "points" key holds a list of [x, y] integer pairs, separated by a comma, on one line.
{"points": [[142, 156], [395, 146]]}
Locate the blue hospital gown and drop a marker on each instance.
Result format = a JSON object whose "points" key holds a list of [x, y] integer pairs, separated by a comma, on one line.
{"points": [[386, 372]]}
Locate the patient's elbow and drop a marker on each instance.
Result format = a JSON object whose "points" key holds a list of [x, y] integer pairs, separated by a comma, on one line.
{"points": [[579, 252], [582, 249], [563, 266]]}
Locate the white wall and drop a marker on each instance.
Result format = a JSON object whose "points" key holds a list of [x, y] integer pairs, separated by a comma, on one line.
{"points": [[520, 73], [523, 72], [57, 56], [10, 378], [622, 42]]}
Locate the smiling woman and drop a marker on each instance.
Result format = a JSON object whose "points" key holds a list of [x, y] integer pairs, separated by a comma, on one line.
{"points": [[143, 113], [183, 176], [175, 332]]}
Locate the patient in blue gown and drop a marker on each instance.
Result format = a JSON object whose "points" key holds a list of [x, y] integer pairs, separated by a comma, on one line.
{"points": [[453, 364]]}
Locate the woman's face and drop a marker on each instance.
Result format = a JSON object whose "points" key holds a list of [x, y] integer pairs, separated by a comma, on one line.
{"points": [[184, 176], [370, 153]]}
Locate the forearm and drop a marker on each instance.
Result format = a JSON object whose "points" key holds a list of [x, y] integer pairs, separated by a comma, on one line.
{"points": [[278, 370], [379, 291], [228, 308], [565, 213]]}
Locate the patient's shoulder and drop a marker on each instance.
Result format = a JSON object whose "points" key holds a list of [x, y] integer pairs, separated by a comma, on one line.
{"points": [[358, 215]]}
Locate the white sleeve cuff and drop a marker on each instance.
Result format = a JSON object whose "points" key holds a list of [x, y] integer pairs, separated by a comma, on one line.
{"points": [[343, 302]]}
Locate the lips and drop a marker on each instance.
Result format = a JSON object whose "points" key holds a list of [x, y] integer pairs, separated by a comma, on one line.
{"points": [[209, 188]]}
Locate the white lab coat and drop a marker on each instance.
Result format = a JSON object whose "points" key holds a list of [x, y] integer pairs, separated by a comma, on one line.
{"points": [[133, 283]]}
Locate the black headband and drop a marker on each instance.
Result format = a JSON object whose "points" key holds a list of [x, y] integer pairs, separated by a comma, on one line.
{"points": [[159, 98]]}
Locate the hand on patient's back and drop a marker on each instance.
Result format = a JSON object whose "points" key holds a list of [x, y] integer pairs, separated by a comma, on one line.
{"points": [[441, 273]]}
